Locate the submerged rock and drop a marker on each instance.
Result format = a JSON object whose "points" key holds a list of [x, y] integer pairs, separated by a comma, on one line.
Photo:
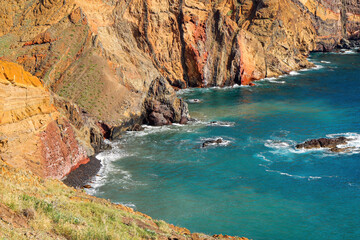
{"points": [[331, 143], [340, 150]]}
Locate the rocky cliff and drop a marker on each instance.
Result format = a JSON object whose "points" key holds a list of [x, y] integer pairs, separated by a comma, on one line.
{"points": [[333, 20], [90, 69], [113, 65], [33, 134], [107, 56]]}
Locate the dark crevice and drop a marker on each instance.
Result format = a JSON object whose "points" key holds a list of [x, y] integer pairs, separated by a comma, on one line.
{"points": [[343, 18], [149, 44], [257, 4], [182, 42]]}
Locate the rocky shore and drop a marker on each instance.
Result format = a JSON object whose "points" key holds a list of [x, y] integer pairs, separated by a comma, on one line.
{"points": [[80, 177], [74, 73]]}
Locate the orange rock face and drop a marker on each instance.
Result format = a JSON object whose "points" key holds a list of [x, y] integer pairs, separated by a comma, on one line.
{"points": [[33, 135], [105, 56], [333, 20], [119, 48]]}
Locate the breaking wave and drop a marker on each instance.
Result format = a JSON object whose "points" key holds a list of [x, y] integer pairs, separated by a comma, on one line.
{"points": [[107, 159]]}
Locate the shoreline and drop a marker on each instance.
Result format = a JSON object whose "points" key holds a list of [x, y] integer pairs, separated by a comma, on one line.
{"points": [[81, 176]]}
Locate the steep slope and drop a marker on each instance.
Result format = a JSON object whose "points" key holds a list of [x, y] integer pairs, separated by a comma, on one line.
{"points": [[33, 134]]}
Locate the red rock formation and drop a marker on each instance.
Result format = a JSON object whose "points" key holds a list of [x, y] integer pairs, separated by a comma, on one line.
{"points": [[60, 150], [33, 134]]}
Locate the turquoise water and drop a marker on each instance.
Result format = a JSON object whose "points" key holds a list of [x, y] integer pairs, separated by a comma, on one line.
{"points": [[255, 184]]}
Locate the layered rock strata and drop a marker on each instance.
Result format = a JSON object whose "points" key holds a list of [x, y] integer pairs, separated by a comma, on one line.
{"points": [[33, 134]]}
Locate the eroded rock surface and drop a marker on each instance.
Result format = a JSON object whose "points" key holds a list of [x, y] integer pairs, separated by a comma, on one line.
{"points": [[33, 134]]}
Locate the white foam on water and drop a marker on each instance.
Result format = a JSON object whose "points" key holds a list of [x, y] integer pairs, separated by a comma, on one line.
{"points": [[127, 204], [304, 150], [294, 176], [156, 129], [347, 52], [221, 124], [195, 101], [269, 162], [327, 62], [278, 144], [207, 89], [288, 146], [317, 67], [274, 80], [107, 158], [353, 144], [229, 87], [294, 73], [261, 156], [185, 91], [191, 126]]}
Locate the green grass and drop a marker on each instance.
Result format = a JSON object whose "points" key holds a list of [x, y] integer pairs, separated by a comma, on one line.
{"points": [[60, 211]]}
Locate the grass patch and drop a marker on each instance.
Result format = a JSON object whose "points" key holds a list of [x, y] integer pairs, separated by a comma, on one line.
{"points": [[60, 211]]}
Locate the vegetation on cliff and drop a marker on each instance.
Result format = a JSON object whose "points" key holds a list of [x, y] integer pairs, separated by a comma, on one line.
{"points": [[35, 208]]}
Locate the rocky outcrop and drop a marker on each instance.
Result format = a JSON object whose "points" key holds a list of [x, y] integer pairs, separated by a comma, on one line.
{"points": [[330, 143], [163, 107], [212, 142], [33, 134]]}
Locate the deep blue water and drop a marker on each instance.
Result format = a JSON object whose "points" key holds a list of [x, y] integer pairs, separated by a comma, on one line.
{"points": [[256, 185]]}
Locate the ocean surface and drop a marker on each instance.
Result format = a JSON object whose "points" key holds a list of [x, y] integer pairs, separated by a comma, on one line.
{"points": [[255, 184]]}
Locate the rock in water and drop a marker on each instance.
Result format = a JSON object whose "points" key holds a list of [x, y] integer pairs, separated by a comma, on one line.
{"points": [[212, 142], [331, 143]]}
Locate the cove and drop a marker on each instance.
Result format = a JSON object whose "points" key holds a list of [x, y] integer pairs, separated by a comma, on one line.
{"points": [[254, 184]]}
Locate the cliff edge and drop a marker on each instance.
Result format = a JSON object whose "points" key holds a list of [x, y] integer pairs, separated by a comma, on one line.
{"points": [[33, 134]]}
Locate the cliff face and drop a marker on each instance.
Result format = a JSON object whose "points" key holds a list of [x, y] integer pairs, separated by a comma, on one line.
{"points": [[33, 134], [217, 43], [333, 20], [83, 53], [107, 56], [113, 65]]}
